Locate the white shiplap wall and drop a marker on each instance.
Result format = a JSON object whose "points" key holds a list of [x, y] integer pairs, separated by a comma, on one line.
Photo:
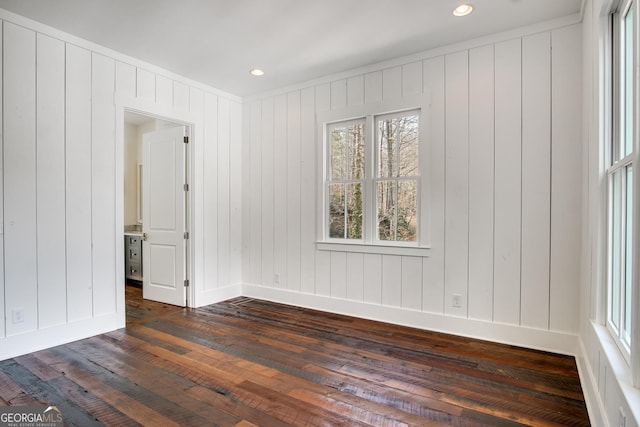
{"points": [[504, 176], [62, 168]]}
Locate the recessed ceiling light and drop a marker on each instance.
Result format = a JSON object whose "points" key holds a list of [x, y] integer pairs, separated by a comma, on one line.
{"points": [[463, 9], [256, 72]]}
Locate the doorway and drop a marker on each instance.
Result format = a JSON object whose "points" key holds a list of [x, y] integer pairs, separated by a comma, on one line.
{"points": [[156, 206]]}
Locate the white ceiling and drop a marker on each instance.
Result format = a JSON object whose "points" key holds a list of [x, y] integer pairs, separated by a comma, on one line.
{"points": [[217, 42]]}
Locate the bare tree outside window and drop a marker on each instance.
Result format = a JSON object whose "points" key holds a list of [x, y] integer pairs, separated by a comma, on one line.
{"points": [[345, 186], [397, 177], [373, 199]]}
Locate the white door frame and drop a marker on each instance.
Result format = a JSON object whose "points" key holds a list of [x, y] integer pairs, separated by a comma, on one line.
{"points": [[194, 126], [165, 238]]}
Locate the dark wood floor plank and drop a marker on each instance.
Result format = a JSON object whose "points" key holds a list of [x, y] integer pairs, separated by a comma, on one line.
{"points": [[157, 381], [12, 394], [448, 360], [127, 381], [247, 362], [44, 393], [128, 405], [71, 391], [93, 405], [248, 413], [42, 370], [226, 381], [479, 394]]}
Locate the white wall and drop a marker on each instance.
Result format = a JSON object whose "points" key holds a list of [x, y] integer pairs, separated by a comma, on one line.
{"points": [[63, 167], [505, 180], [606, 376], [132, 156]]}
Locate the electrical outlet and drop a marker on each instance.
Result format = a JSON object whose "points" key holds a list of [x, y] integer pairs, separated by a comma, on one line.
{"points": [[17, 315], [456, 301], [622, 418], [276, 277]]}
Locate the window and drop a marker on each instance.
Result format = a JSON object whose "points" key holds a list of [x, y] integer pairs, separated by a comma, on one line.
{"points": [[620, 172], [397, 176], [346, 179], [372, 187]]}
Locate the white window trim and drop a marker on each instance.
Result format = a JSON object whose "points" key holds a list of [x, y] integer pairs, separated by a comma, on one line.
{"points": [[632, 357], [368, 244], [327, 170], [612, 167], [635, 293]]}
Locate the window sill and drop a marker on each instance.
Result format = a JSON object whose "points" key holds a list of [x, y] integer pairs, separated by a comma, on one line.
{"points": [[362, 248], [620, 368]]}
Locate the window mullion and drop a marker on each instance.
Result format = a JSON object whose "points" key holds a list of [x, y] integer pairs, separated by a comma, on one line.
{"points": [[370, 156], [622, 240], [345, 208], [397, 206]]}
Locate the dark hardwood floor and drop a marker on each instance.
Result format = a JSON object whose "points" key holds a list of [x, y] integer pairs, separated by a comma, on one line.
{"points": [[247, 362]]}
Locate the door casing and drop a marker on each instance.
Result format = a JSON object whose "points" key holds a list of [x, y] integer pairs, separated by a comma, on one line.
{"points": [[194, 125]]}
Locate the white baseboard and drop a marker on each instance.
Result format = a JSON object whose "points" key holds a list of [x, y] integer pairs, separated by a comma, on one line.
{"points": [[595, 405], [212, 296], [29, 342], [557, 342]]}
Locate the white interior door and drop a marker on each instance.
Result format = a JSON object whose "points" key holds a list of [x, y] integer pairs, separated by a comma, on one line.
{"points": [[163, 216]]}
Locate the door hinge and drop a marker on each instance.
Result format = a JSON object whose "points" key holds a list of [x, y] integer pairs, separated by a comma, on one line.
{"points": [[186, 139], [186, 235], [186, 283], [186, 187]]}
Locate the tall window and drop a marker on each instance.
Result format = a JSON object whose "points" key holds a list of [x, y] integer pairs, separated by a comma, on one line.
{"points": [[373, 178], [346, 178], [620, 180]]}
